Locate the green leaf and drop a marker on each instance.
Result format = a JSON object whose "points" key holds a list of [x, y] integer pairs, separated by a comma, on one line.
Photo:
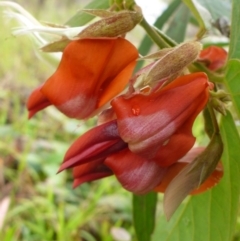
{"points": [[178, 25], [201, 14], [81, 18], [234, 47], [206, 12], [212, 215], [232, 78], [217, 8], [144, 208]]}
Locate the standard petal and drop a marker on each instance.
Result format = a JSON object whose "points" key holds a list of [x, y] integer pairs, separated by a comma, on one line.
{"points": [[146, 121], [82, 82], [136, 174], [36, 102]]}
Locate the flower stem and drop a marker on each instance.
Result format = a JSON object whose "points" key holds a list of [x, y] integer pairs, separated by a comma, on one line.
{"points": [[167, 39], [213, 119], [211, 75], [156, 38]]}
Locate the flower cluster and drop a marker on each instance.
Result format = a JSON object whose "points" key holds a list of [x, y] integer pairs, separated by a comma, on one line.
{"points": [[144, 132]]}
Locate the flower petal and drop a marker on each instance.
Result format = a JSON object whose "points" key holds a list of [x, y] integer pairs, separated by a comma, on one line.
{"points": [[145, 122], [87, 75], [174, 149], [95, 144], [215, 57], [90, 172], [36, 102], [136, 174]]}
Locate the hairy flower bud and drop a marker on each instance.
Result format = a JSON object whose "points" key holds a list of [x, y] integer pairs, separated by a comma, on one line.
{"points": [[173, 63], [116, 24]]}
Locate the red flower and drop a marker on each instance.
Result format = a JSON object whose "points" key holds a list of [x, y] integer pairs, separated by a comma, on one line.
{"points": [[214, 57], [90, 74], [151, 133], [153, 125]]}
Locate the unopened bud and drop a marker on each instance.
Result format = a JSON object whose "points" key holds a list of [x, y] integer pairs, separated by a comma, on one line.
{"points": [[157, 55], [218, 105], [222, 95], [218, 101], [173, 63], [116, 25]]}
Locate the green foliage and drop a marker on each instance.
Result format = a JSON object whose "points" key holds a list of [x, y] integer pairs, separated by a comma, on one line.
{"points": [[81, 18], [144, 208], [232, 81]]}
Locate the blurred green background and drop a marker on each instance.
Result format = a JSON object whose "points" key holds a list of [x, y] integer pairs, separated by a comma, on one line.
{"points": [[35, 203]]}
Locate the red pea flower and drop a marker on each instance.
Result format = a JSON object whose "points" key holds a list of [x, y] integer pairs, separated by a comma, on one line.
{"points": [[158, 124], [153, 125], [100, 152], [91, 72], [214, 57]]}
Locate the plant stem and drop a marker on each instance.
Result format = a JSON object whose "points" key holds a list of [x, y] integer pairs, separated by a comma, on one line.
{"points": [[213, 119], [211, 75], [166, 38], [156, 38]]}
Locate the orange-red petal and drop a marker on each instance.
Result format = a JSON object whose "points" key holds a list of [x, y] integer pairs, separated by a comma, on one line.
{"points": [[36, 102], [215, 57], [91, 72]]}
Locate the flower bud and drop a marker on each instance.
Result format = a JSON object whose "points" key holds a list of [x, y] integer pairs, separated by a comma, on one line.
{"points": [[115, 25], [173, 63], [218, 105], [214, 57], [218, 101]]}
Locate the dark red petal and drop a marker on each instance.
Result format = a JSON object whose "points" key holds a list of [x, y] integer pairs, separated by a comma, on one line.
{"points": [[90, 172], [136, 174], [95, 144], [36, 102]]}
